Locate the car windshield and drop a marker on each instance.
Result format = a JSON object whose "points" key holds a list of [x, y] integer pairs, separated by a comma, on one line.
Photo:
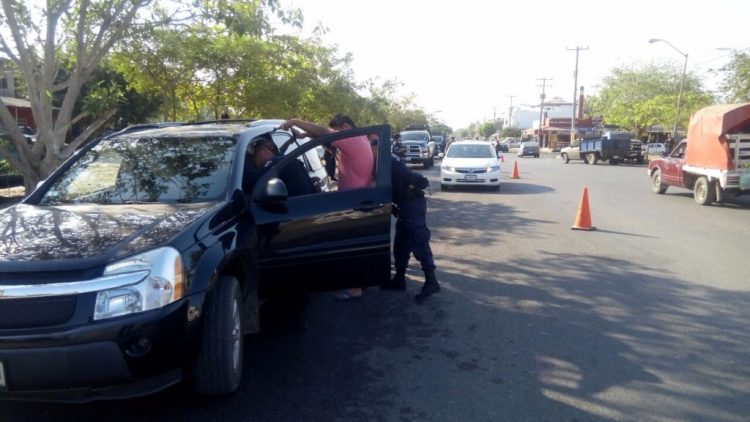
{"points": [[413, 136], [135, 170], [470, 151]]}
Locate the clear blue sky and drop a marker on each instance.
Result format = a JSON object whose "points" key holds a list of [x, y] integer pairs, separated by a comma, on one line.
{"points": [[463, 59]]}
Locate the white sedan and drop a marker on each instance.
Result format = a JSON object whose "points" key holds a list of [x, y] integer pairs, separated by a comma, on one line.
{"points": [[470, 163]]}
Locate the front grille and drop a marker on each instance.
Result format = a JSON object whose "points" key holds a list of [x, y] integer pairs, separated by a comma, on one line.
{"points": [[43, 277], [36, 312], [471, 171]]}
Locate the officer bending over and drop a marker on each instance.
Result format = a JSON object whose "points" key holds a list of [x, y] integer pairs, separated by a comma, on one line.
{"points": [[412, 234]]}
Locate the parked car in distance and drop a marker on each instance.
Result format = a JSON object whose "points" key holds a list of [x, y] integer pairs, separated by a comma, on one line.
{"points": [[147, 256], [28, 133], [470, 163], [439, 143], [655, 150], [501, 146], [528, 148], [513, 143]]}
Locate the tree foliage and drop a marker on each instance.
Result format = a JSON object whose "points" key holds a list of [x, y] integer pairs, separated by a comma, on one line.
{"points": [[56, 48], [736, 83], [103, 61], [511, 132], [486, 129], [639, 96]]}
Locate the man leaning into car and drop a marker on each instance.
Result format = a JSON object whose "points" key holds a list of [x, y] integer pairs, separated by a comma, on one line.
{"points": [[263, 156]]}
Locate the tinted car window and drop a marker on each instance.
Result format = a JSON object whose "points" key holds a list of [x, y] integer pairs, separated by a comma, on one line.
{"points": [[133, 170], [470, 151], [413, 136]]}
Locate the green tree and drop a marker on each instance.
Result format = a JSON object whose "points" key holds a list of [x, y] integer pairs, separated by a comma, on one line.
{"points": [[486, 129], [639, 96], [511, 132], [736, 83], [43, 40]]}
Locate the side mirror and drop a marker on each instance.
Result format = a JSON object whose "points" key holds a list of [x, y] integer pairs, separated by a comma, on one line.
{"points": [[40, 183], [273, 192], [441, 155]]}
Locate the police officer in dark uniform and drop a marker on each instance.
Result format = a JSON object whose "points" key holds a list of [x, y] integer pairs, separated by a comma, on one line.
{"points": [[397, 148], [412, 234]]}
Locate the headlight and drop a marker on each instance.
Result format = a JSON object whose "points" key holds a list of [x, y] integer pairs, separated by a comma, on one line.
{"points": [[492, 168], [162, 285], [448, 168]]}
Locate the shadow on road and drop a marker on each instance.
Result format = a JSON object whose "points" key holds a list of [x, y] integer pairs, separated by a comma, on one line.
{"points": [[557, 337]]}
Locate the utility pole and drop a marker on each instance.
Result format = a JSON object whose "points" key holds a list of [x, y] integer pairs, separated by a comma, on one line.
{"points": [[575, 93], [510, 109], [541, 107]]}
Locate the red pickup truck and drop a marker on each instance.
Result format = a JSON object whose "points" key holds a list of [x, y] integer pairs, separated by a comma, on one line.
{"points": [[714, 160]]}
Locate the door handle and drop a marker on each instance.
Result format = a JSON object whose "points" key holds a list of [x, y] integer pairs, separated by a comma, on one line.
{"points": [[369, 206]]}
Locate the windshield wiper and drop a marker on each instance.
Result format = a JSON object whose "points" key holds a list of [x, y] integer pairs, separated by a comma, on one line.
{"points": [[131, 202]]}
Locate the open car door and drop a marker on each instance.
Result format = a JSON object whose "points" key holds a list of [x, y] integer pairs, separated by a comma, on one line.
{"points": [[328, 239]]}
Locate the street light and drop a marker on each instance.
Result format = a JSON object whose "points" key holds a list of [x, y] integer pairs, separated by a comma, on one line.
{"points": [[682, 83]]}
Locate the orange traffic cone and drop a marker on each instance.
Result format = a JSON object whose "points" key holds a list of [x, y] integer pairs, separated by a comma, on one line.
{"points": [[583, 219], [514, 173], [502, 158]]}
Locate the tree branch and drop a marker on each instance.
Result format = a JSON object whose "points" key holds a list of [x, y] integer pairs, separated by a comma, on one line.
{"points": [[90, 130]]}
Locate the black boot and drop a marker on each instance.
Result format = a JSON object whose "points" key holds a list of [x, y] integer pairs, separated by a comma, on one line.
{"points": [[430, 287], [398, 282]]}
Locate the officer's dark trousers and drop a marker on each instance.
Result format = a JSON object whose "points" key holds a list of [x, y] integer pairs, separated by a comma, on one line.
{"points": [[413, 236]]}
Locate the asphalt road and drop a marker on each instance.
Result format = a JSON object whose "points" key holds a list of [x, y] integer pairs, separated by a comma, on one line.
{"points": [[644, 319]]}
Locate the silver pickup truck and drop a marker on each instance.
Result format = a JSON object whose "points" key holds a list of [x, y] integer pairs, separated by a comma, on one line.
{"points": [[418, 147]]}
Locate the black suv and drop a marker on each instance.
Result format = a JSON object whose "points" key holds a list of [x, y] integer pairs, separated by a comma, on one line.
{"points": [[145, 258]]}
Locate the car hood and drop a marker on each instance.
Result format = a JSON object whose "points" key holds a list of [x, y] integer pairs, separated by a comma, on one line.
{"points": [[422, 143], [469, 162], [73, 232]]}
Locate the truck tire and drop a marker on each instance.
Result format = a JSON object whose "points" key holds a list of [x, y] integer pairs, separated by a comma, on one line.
{"points": [[565, 158], [703, 191], [218, 367], [656, 185], [639, 160], [592, 158], [614, 161], [720, 196]]}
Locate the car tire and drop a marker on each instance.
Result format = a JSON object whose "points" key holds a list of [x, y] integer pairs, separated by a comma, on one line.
{"points": [[218, 367], [703, 191], [536, 156], [565, 158], [656, 185]]}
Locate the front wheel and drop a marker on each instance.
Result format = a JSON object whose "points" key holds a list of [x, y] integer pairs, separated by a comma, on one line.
{"points": [[565, 158], [218, 366], [703, 191], [656, 185], [591, 158]]}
